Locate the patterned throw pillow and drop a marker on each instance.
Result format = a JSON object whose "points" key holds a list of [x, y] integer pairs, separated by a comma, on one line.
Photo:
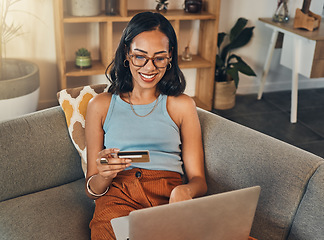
{"points": [[74, 102]]}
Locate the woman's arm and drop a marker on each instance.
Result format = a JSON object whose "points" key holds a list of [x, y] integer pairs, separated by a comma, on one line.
{"points": [[101, 174], [183, 111]]}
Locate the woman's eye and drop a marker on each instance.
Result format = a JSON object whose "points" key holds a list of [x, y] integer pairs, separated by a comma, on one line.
{"points": [[139, 57], [160, 59]]}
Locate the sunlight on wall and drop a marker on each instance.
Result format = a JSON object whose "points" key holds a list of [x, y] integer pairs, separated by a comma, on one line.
{"points": [[36, 43]]}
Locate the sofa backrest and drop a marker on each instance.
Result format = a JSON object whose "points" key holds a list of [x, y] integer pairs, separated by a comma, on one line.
{"points": [[238, 157], [36, 154]]}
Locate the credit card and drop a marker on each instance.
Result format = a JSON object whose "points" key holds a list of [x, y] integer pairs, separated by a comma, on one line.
{"points": [[135, 156]]}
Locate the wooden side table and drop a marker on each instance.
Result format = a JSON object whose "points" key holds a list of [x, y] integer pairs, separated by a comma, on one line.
{"points": [[302, 51]]}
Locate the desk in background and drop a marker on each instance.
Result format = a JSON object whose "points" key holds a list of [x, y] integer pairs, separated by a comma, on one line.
{"points": [[302, 51]]}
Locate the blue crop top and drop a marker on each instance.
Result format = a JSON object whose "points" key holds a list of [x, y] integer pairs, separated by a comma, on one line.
{"points": [[156, 132]]}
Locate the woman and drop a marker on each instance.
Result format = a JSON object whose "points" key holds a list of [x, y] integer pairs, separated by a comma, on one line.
{"points": [[144, 109]]}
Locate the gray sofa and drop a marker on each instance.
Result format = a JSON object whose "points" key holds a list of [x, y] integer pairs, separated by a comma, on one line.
{"points": [[42, 185]]}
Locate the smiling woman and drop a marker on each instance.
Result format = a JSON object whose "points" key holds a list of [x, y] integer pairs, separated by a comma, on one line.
{"points": [[145, 109]]}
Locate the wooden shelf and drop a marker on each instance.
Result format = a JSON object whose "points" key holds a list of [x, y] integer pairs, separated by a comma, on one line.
{"points": [[170, 14], [203, 61], [179, 15], [196, 62], [97, 68]]}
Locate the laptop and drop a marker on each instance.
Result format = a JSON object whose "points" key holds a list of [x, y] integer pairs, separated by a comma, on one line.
{"points": [[224, 216]]}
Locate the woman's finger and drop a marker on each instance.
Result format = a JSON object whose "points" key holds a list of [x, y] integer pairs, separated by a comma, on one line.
{"points": [[108, 152], [106, 164]]}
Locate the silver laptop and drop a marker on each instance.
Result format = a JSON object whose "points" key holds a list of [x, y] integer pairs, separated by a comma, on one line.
{"points": [[224, 216]]}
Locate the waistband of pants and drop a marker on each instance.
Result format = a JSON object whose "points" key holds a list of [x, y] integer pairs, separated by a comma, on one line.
{"points": [[147, 174]]}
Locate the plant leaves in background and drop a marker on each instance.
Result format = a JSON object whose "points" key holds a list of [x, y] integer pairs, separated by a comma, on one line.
{"points": [[242, 66], [234, 74], [237, 29], [220, 39], [242, 39]]}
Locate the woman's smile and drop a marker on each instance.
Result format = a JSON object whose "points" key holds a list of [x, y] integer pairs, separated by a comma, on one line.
{"points": [[148, 77]]}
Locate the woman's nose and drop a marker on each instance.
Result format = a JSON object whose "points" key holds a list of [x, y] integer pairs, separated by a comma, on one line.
{"points": [[150, 65]]}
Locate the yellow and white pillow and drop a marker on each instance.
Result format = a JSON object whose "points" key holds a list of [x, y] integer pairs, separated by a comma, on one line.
{"points": [[74, 102]]}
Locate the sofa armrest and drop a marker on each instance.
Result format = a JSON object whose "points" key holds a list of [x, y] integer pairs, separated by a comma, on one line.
{"points": [[309, 219], [36, 154]]}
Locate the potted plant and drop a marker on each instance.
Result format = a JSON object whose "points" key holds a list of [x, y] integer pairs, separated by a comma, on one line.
{"points": [[83, 58], [228, 65], [19, 79]]}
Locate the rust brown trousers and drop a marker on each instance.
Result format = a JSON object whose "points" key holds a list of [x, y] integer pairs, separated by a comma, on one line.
{"points": [[131, 190]]}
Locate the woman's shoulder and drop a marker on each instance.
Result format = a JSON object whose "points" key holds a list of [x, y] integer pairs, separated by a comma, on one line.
{"points": [[100, 99], [182, 101], [181, 107], [99, 104]]}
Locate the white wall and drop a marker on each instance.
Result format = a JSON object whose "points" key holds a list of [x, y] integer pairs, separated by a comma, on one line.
{"points": [[38, 43]]}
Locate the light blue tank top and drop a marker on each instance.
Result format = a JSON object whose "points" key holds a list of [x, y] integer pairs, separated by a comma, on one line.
{"points": [[156, 132]]}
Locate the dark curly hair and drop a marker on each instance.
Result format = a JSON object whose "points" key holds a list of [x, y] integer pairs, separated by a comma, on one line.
{"points": [[172, 83]]}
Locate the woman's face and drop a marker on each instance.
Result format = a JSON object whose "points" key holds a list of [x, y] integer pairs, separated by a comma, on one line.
{"points": [[152, 49]]}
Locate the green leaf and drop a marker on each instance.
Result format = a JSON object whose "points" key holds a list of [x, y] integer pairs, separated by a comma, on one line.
{"points": [[82, 52], [237, 28], [233, 72], [234, 75], [219, 62], [236, 81], [242, 39], [220, 39], [242, 66], [224, 52]]}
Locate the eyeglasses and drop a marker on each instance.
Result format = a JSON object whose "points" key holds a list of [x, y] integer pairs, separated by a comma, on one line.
{"points": [[142, 60]]}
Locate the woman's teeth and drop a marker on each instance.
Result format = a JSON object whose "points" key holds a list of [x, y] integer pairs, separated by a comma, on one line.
{"points": [[147, 76]]}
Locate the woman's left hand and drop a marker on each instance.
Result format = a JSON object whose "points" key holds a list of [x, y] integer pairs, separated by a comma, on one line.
{"points": [[180, 193]]}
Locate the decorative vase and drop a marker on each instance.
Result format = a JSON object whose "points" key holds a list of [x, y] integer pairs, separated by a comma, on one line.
{"points": [[111, 7], [224, 95], [186, 55], [193, 6], [83, 61], [281, 14], [19, 88], [84, 8]]}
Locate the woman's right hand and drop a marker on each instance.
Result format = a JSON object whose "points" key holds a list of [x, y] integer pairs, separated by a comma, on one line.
{"points": [[110, 168]]}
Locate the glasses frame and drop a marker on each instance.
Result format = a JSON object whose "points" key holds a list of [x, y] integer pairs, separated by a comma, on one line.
{"points": [[147, 59]]}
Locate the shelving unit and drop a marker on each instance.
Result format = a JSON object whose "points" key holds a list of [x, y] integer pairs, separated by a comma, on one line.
{"points": [[204, 61]]}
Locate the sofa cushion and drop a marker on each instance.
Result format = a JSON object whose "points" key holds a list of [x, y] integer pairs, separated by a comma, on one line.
{"points": [[62, 212], [74, 102], [36, 154]]}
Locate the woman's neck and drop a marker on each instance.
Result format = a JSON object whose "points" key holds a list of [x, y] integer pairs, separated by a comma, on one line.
{"points": [[140, 97]]}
